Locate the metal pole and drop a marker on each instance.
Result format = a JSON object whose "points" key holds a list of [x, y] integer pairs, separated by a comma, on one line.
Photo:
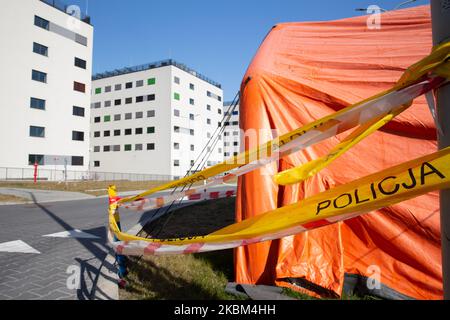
{"points": [[440, 18]]}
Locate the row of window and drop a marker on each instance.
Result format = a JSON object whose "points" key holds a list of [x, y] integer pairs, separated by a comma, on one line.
{"points": [[45, 24], [40, 160], [128, 85], [235, 143], [127, 147], [118, 102], [234, 113], [231, 123], [127, 132], [39, 132], [36, 103], [43, 50], [177, 80], [227, 154], [127, 116], [42, 77], [227, 133]]}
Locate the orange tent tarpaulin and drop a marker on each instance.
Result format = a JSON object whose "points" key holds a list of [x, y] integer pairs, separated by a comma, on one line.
{"points": [[305, 71]]}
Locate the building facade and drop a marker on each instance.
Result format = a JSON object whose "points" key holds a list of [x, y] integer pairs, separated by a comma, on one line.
{"points": [[232, 132], [153, 119], [46, 63]]}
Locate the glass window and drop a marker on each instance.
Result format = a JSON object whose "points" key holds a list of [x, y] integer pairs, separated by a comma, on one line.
{"points": [[40, 49], [151, 97], [107, 103], [208, 107], [97, 119], [96, 148], [116, 147], [106, 133], [80, 63], [176, 80], [219, 111], [191, 101], [191, 116], [96, 163], [108, 89], [235, 143], [150, 146], [176, 163], [36, 103], [176, 129], [208, 121], [139, 99], [106, 118], [139, 115], [39, 76], [117, 117], [78, 111], [36, 158], [128, 85], [78, 86], [138, 131], [128, 116], [128, 100], [117, 132], [191, 132], [96, 134], [235, 123], [192, 147], [235, 133], [176, 112], [117, 102], [106, 148], [191, 86], [151, 81], [77, 136], [127, 147], [150, 129], [41, 22], [138, 147], [176, 145], [150, 113], [176, 96], [128, 132], [118, 87], [37, 131], [139, 83]]}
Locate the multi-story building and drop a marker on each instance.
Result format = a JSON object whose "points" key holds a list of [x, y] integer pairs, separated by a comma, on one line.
{"points": [[45, 79], [154, 119], [232, 133]]}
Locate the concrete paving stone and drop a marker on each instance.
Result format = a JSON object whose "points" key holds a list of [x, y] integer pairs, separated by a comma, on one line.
{"points": [[18, 291], [58, 295], [23, 281], [4, 297], [27, 296], [48, 289], [45, 282]]}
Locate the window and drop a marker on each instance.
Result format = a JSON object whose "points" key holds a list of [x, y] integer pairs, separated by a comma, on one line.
{"points": [[106, 133], [192, 163], [176, 145], [226, 144], [227, 123], [138, 147], [77, 136], [78, 86], [139, 83], [80, 63], [235, 133], [96, 148], [106, 148], [117, 132], [151, 97], [176, 163], [96, 105], [40, 49], [128, 85], [176, 80], [117, 87], [150, 146], [235, 143], [235, 113], [191, 101], [208, 107], [150, 113], [36, 158], [208, 135], [39, 76], [235, 123], [191, 86], [96, 134], [208, 121], [226, 134], [219, 111], [116, 147], [117, 102], [191, 116], [107, 103], [41, 22], [97, 119], [151, 81], [77, 161], [117, 117], [128, 132], [219, 150], [139, 99], [150, 129], [138, 131], [96, 163], [226, 154], [36, 103], [78, 111], [176, 113], [127, 147], [107, 118], [37, 132], [235, 153], [128, 100], [176, 129], [191, 132], [128, 116], [139, 115], [176, 96], [108, 89]]}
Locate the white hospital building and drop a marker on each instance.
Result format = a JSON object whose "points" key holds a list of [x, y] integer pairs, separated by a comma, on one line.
{"points": [[45, 76], [153, 119]]}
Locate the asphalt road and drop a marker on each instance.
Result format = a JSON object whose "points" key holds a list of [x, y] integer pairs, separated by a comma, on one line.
{"points": [[56, 267]]}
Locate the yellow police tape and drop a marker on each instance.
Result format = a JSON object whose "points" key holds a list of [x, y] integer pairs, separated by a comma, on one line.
{"points": [[384, 188], [309, 169], [437, 62]]}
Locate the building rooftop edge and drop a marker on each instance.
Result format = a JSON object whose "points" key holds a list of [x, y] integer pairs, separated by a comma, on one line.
{"points": [[154, 65], [62, 7]]}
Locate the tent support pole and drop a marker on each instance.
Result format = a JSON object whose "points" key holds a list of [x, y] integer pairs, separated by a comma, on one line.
{"points": [[440, 18]]}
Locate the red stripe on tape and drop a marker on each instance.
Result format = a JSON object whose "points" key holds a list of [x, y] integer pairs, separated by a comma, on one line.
{"points": [[316, 224], [152, 247], [195, 196], [195, 247], [214, 195]]}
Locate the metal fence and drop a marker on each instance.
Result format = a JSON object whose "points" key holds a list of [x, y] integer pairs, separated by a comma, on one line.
{"points": [[27, 174]]}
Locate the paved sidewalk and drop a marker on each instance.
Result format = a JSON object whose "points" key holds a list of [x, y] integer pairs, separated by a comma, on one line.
{"points": [[43, 196]]}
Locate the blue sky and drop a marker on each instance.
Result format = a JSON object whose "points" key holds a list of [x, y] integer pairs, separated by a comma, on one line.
{"points": [[216, 38]]}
